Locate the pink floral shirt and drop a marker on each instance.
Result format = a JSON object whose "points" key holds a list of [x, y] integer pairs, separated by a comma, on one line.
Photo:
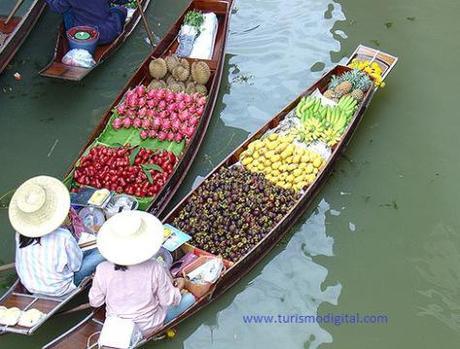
{"points": [[142, 293]]}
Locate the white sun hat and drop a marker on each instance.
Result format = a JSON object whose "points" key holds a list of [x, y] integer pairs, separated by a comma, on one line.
{"points": [[39, 206], [130, 237]]}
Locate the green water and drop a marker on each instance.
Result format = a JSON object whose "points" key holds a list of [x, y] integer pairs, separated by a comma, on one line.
{"points": [[381, 237]]}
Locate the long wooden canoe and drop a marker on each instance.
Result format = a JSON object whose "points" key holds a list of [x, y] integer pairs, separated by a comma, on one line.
{"points": [[17, 294], [16, 31], [57, 69], [76, 338], [168, 45]]}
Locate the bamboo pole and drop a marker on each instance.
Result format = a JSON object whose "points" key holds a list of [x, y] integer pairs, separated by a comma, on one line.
{"points": [[14, 10], [146, 24]]}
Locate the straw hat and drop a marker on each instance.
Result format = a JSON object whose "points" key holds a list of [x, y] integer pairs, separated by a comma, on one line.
{"points": [[39, 206], [130, 237]]}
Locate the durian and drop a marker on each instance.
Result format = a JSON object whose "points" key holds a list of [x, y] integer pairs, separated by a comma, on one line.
{"points": [[357, 94], [181, 73], [190, 88], [343, 88], [183, 62], [171, 62], [157, 68], [170, 79], [201, 72], [156, 84], [177, 87], [201, 89]]}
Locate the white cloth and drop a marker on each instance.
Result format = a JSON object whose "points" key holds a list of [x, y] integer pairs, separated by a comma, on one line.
{"points": [[203, 46]]}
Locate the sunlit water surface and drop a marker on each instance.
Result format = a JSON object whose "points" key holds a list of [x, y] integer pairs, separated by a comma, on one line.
{"points": [[381, 237]]}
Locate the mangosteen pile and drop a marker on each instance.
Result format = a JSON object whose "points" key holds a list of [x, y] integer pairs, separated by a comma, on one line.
{"points": [[232, 211]]}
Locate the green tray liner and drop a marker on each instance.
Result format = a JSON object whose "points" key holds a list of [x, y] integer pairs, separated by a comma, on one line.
{"points": [[115, 138]]}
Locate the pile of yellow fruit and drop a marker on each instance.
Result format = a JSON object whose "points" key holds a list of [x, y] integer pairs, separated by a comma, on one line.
{"points": [[371, 68], [282, 162]]}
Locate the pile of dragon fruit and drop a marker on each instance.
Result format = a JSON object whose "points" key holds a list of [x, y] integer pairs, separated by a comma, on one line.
{"points": [[160, 113]]}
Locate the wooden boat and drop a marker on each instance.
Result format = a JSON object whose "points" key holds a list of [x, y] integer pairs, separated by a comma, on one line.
{"points": [[16, 31], [17, 296], [77, 337], [168, 45], [57, 69]]}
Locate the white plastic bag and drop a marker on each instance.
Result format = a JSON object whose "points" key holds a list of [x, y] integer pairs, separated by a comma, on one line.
{"points": [[119, 333], [79, 58], [203, 46]]}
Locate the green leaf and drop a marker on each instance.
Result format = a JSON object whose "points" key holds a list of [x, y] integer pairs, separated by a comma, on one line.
{"points": [[132, 156], [148, 174], [154, 167]]}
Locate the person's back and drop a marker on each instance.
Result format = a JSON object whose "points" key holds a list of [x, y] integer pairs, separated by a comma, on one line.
{"points": [[142, 293], [95, 13], [48, 267]]}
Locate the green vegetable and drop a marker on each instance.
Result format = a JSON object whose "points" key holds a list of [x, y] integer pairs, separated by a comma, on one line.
{"points": [[194, 19]]}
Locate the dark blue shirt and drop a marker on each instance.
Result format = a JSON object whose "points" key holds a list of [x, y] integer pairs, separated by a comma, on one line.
{"points": [[94, 13]]}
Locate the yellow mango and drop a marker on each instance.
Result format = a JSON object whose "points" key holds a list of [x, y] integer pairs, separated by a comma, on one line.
{"points": [[247, 160], [297, 172], [317, 162], [305, 158]]}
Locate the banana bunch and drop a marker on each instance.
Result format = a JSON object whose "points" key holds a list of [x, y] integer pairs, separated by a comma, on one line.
{"points": [[347, 104], [324, 123]]}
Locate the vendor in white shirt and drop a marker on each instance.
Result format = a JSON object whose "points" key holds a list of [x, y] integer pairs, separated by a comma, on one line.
{"points": [[48, 258]]}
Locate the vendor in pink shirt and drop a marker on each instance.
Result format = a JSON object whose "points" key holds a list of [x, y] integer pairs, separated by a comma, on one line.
{"points": [[131, 283]]}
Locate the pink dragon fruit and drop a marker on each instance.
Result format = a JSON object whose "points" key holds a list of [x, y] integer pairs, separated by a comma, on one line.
{"points": [[146, 123], [121, 109], [117, 123], [140, 90], [156, 123], [175, 124], [142, 112], [162, 105], [142, 101], [144, 134], [127, 122], [165, 124], [193, 121], [170, 136], [162, 135]]}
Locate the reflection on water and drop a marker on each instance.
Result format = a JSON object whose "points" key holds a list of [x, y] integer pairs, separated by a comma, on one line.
{"points": [[439, 266], [273, 45]]}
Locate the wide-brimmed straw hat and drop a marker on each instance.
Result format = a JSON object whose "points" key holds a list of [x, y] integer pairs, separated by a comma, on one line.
{"points": [[39, 206], [130, 237]]}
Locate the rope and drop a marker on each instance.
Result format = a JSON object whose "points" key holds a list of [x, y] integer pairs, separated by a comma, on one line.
{"points": [[88, 341]]}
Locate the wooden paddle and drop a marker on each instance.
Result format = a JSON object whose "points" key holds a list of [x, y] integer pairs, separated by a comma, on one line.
{"points": [[146, 24], [13, 12], [7, 267]]}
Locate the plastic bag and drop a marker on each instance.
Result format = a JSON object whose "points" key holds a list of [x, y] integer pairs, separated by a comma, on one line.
{"points": [[186, 39], [79, 58]]}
